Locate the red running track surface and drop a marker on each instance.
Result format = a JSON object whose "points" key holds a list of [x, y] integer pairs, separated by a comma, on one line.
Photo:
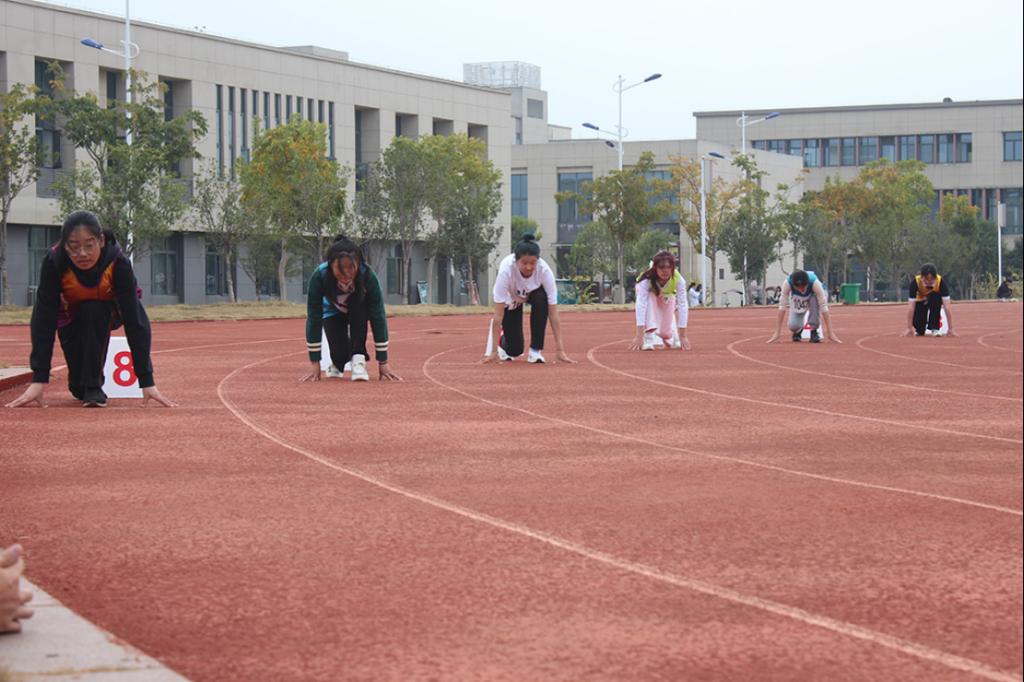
{"points": [[739, 512]]}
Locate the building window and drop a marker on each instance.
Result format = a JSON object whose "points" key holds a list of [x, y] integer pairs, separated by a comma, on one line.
{"points": [[277, 109], [168, 100], [570, 221], [887, 145], [243, 120], [535, 108], [231, 128], [255, 113], [811, 155], [991, 203], [926, 148], [777, 146], [266, 111], [40, 239], [1012, 146], [164, 266], [219, 125], [395, 272], [944, 143], [287, 108], [216, 273], [868, 150], [964, 147], [1012, 198], [758, 144], [320, 111], [907, 147], [519, 194], [796, 147], [330, 129], [111, 88], [831, 151], [849, 157]]}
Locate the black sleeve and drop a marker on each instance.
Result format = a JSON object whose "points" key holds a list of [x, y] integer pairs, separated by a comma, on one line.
{"points": [[912, 293], [136, 322], [943, 288], [44, 321]]}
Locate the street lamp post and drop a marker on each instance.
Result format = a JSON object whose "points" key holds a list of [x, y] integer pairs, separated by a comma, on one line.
{"points": [[620, 132], [1000, 224], [742, 122], [705, 182], [129, 51]]}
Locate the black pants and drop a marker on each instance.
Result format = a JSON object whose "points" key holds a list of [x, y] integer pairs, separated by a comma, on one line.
{"points": [[927, 313], [84, 343], [346, 335], [512, 324]]}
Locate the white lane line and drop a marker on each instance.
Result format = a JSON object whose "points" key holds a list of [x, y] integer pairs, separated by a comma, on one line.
{"points": [[791, 406], [981, 340], [900, 645], [735, 352], [861, 342]]}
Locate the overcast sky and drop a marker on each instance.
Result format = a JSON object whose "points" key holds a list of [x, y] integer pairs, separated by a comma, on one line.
{"points": [[712, 54]]}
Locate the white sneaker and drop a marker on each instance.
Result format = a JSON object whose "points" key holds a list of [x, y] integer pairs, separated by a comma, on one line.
{"points": [[674, 343], [648, 343], [535, 356], [502, 355], [333, 373], [359, 372], [348, 366]]}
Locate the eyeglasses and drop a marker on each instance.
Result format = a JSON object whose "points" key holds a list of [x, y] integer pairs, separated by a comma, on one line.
{"points": [[85, 249]]}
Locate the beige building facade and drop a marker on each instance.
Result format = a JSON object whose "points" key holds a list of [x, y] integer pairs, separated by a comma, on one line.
{"points": [[231, 82]]}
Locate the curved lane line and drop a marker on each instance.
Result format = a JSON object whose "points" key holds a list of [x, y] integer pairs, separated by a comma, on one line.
{"points": [[868, 381], [981, 340], [897, 644], [861, 342], [877, 420]]}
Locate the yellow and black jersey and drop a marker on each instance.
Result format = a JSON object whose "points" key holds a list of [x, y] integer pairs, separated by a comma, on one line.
{"points": [[919, 291]]}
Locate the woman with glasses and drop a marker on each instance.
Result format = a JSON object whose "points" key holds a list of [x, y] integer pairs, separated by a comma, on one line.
{"points": [[86, 289]]}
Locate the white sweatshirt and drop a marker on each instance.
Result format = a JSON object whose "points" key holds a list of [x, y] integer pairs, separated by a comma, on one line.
{"points": [[643, 297]]}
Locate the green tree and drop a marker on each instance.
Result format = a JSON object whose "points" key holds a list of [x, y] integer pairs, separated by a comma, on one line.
{"points": [[407, 175], [896, 200], [824, 232], [592, 253], [644, 248], [752, 233], [720, 201], [625, 202], [465, 202], [522, 225], [20, 160], [299, 192], [261, 258], [217, 207], [135, 189], [375, 223]]}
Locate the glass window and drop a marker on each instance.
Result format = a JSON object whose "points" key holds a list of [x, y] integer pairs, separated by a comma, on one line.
{"points": [[796, 147], [219, 124], [758, 144], [926, 148], [777, 146], [277, 109], [395, 272], [266, 111], [255, 113], [964, 147], [811, 156], [977, 200], [849, 156], [907, 147], [570, 221], [519, 195], [40, 239], [330, 129], [168, 100], [944, 145], [868, 150], [359, 136], [535, 108], [887, 145], [216, 274], [231, 128], [243, 120], [111, 88], [320, 111], [1012, 146], [831, 151], [1012, 198], [164, 267], [287, 108]]}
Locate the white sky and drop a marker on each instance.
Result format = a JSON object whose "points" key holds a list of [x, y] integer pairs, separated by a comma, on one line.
{"points": [[712, 54]]}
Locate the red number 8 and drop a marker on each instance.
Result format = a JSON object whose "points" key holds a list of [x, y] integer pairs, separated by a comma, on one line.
{"points": [[123, 362]]}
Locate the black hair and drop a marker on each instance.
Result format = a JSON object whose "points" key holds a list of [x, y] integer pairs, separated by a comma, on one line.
{"points": [[799, 278], [527, 246], [343, 248], [651, 273], [929, 269]]}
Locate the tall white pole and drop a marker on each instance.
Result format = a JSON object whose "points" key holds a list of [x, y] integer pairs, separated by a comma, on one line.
{"points": [[703, 231], [743, 132], [619, 129], [128, 67], [1000, 224]]}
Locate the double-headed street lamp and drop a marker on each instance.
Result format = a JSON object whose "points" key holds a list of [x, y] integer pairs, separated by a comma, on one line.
{"points": [[129, 52], [743, 121], [620, 87], [705, 186]]}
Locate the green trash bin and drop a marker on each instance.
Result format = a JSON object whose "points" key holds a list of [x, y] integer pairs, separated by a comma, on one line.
{"points": [[850, 294]]}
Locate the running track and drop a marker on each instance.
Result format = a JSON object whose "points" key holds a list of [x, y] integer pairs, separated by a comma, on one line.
{"points": [[743, 511]]}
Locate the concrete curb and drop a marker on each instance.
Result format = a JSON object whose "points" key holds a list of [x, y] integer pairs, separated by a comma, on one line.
{"points": [[58, 644], [14, 376]]}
